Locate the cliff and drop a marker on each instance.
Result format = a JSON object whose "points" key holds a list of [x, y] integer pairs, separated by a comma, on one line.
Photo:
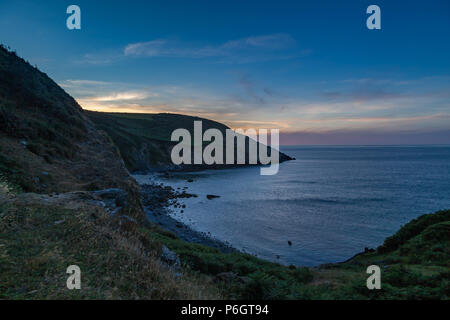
{"points": [[47, 144], [144, 139]]}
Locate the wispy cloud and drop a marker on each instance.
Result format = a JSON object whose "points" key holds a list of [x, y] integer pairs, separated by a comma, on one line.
{"points": [[366, 137], [124, 96], [253, 105], [277, 41], [251, 90], [77, 83], [101, 95], [262, 48], [381, 91], [101, 58], [168, 48], [242, 50]]}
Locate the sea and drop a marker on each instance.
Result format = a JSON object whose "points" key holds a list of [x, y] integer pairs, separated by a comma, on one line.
{"points": [[329, 204]]}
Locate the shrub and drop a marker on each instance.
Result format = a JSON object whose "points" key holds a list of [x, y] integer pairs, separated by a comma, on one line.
{"points": [[259, 287], [412, 229], [303, 275]]}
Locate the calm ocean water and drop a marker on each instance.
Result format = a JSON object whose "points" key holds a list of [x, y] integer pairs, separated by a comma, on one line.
{"points": [[330, 203]]}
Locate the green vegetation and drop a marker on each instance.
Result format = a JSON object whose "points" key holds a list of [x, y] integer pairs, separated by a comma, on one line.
{"points": [[144, 139], [33, 107], [46, 142], [38, 114], [417, 269], [257, 279], [39, 239], [414, 228], [38, 242], [158, 126]]}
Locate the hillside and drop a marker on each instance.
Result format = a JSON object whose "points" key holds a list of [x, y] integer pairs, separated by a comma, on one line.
{"points": [[144, 139], [39, 239], [66, 198], [41, 235], [46, 143]]}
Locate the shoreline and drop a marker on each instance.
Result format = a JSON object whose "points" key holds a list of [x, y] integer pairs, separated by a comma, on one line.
{"points": [[158, 199]]}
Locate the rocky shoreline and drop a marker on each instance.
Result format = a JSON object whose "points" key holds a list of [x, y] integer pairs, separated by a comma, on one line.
{"points": [[158, 201]]}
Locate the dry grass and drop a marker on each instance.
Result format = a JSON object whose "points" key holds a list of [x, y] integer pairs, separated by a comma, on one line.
{"points": [[38, 242], [4, 187]]}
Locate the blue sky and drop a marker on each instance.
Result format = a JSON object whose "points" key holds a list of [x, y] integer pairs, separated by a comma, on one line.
{"points": [[309, 68]]}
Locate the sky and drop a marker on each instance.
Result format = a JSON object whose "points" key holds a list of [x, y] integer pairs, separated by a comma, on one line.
{"points": [[309, 68]]}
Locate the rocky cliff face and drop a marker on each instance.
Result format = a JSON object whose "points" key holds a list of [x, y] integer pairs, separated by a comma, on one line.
{"points": [[47, 144], [144, 140]]}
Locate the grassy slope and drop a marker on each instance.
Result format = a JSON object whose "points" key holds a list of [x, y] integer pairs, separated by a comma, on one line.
{"points": [[152, 126], [144, 139], [43, 129], [46, 142], [47, 145], [416, 268], [38, 241], [120, 261]]}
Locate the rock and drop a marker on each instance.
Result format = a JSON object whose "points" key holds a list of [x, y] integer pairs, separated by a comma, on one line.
{"points": [[115, 211], [96, 203], [226, 276], [244, 279], [126, 223], [190, 180], [231, 276], [326, 266], [211, 196], [113, 197], [126, 218], [289, 243], [170, 257]]}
